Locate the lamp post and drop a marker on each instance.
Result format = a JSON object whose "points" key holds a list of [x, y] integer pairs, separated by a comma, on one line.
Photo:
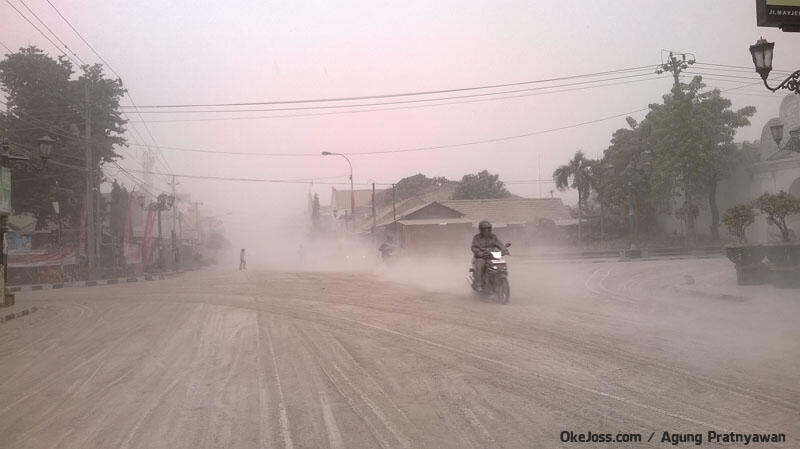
{"points": [[793, 144], [352, 193], [762, 52], [163, 202], [45, 148]]}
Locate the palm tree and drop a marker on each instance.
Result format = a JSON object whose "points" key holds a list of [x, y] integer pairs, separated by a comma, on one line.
{"points": [[577, 175]]}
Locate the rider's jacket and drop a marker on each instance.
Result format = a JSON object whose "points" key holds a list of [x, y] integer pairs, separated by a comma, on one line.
{"points": [[481, 244]]}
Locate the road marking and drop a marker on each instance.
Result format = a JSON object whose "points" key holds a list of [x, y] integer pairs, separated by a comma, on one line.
{"points": [[334, 436]]}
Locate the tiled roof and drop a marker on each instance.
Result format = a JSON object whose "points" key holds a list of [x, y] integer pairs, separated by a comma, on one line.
{"points": [[340, 199], [511, 210], [415, 202]]}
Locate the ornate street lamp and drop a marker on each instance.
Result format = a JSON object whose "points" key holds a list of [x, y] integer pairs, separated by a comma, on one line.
{"points": [[762, 52], [793, 144], [45, 148]]}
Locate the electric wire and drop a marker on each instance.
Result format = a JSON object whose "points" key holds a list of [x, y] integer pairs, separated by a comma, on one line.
{"points": [[205, 111], [394, 95], [111, 68], [66, 47], [259, 117], [41, 32]]}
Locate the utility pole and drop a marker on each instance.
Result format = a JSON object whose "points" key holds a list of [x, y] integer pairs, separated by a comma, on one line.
{"points": [[197, 205], [394, 210], [173, 234], [373, 209], [91, 247], [676, 66]]}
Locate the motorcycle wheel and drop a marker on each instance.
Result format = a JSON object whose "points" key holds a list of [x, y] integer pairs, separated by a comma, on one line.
{"points": [[503, 291]]}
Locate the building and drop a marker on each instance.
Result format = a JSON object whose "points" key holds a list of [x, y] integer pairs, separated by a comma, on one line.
{"points": [[447, 226], [340, 203]]}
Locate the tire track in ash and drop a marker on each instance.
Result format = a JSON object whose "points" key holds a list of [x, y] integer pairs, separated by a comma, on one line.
{"points": [[517, 369], [56, 376], [378, 419], [160, 379], [515, 331], [283, 418], [94, 396], [64, 323], [452, 408], [739, 390]]}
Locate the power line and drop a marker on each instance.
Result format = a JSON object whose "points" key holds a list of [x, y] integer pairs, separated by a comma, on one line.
{"points": [[431, 148], [749, 69], [394, 95], [51, 31], [405, 150], [5, 46], [130, 97], [41, 32], [202, 111], [396, 108], [263, 180], [235, 153]]}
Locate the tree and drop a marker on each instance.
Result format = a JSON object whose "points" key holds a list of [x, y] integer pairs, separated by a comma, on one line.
{"points": [[43, 98], [576, 174], [482, 185], [778, 206], [120, 200], [416, 185], [737, 219], [692, 141], [410, 187], [216, 241], [315, 221]]}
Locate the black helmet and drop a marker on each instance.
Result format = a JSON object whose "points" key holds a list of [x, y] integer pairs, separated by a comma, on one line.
{"points": [[485, 225]]}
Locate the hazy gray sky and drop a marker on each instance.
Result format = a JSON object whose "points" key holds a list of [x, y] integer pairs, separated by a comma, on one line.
{"points": [[238, 51]]}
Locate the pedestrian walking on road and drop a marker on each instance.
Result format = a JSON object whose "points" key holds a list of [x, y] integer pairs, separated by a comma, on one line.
{"points": [[242, 262]]}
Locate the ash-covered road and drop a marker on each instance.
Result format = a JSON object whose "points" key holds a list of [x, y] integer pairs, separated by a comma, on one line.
{"points": [[264, 359]]}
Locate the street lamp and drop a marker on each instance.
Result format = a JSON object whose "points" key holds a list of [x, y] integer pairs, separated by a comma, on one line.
{"points": [[762, 52], [352, 193], [45, 148], [794, 138]]}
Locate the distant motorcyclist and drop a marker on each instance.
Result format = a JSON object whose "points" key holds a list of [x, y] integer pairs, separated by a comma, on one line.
{"points": [[482, 245], [387, 248]]}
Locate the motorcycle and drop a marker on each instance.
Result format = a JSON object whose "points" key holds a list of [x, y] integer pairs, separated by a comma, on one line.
{"points": [[496, 277]]}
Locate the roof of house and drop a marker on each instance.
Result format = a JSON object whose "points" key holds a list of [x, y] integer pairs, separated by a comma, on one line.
{"points": [[511, 210], [500, 212], [435, 221], [409, 205], [340, 199]]}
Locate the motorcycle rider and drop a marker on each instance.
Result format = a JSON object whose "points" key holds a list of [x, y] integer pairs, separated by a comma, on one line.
{"points": [[387, 248], [482, 244]]}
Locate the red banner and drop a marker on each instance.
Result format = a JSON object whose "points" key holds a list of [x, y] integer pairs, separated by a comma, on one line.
{"points": [[41, 258], [148, 236], [126, 233]]}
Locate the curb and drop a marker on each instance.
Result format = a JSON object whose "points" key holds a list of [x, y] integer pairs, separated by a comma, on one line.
{"points": [[10, 316], [36, 287], [711, 295]]}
